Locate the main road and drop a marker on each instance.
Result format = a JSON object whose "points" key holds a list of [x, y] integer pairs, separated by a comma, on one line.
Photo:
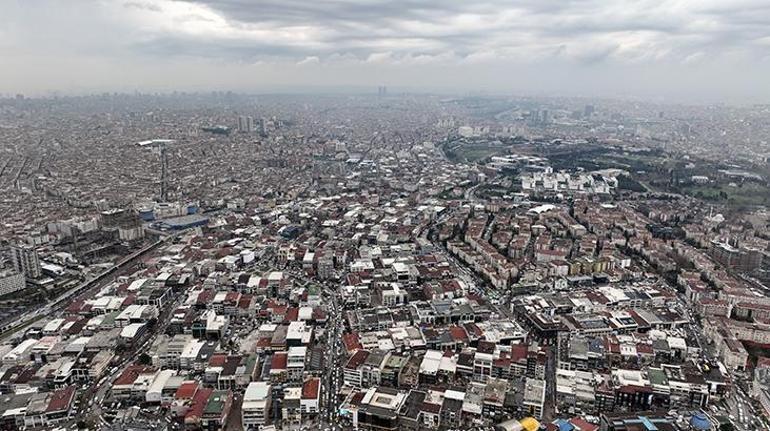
{"points": [[332, 377], [92, 286]]}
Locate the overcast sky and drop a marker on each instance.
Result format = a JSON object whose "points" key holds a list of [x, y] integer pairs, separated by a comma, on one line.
{"points": [[672, 50]]}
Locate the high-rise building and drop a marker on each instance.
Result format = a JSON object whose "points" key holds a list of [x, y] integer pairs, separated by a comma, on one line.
{"points": [[732, 256], [245, 124], [26, 261], [588, 111], [382, 91], [116, 217], [10, 282], [545, 116]]}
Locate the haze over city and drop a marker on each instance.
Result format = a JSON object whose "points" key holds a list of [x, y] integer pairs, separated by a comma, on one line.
{"points": [[673, 51]]}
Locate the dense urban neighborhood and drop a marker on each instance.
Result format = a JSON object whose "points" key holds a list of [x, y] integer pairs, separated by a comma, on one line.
{"points": [[383, 261]]}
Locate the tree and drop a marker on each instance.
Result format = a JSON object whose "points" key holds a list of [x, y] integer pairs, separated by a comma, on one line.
{"points": [[145, 359], [727, 426]]}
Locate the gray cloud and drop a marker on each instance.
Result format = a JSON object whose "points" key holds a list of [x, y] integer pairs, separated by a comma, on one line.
{"points": [[143, 5], [597, 46]]}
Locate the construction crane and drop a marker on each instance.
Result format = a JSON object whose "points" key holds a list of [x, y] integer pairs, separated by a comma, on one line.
{"points": [[159, 146]]}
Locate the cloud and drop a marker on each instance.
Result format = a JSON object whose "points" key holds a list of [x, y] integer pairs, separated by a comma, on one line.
{"points": [[380, 57], [143, 5], [467, 38], [694, 58], [309, 60], [297, 29]]}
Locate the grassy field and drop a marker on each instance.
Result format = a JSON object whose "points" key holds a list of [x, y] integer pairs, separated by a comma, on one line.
{"points": [[746, 195], [473, 153]]}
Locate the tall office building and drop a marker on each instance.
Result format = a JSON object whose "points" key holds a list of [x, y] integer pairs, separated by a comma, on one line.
{"points": [[10, 282], [26, 261], [245, 124], [545, 116], [382, 91]]}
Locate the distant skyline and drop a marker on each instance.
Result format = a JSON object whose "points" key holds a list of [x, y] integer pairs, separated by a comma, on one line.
{"points": [[666, 50]]}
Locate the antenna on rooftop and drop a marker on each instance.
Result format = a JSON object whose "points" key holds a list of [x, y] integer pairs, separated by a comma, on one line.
{"points": [[160, 145]]}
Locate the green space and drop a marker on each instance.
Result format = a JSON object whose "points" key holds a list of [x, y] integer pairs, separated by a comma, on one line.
{"points": [[492, 190], [745, 194], [598, 159], [472, 150], [449, 193], [471, 153], [626, 182]]}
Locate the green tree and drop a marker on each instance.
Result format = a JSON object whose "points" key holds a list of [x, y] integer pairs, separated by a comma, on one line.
{"points": [[727, 426], [145, 359]]}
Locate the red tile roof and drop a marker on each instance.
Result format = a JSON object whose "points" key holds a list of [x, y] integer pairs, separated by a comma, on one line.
{"points": [[502, 363], [583, 425], [633, 389], [232, 297], [61, 400], [638, 319], [458, 333], [245, 301], [351, 342], [218, 360], [473, 329], [75, 306], [292, 315], [279, 361], [131, 373], [357, 398], [450, 285], [186, 390], [130, 299], [357, 359], [77, 327], [486, 347], [474, 297], [199, 402], [644, 348], [319, 314], [311, 388], [518, 352], [206, 296]]}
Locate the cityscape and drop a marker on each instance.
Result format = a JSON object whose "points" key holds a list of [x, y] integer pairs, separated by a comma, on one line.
{"points": [[380, 257]]}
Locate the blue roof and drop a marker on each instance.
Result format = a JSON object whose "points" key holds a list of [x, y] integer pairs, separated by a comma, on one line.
{"points": [[699, 421], [564, 425], [648, 424]]}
